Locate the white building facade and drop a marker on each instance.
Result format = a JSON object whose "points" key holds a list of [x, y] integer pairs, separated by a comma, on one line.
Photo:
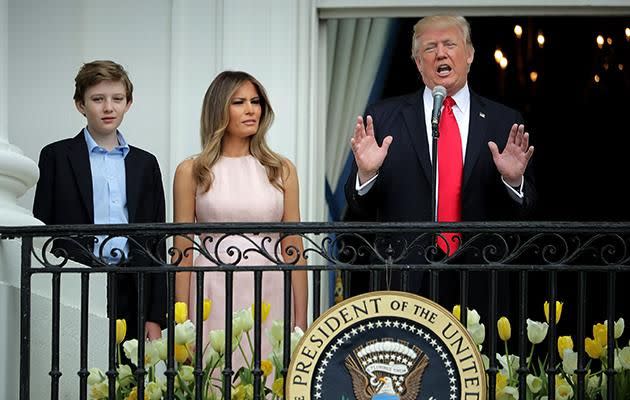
{"points": [[172, 50]]}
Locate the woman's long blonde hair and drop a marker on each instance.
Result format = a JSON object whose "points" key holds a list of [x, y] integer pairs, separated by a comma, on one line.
{"points": [[215, 117]]}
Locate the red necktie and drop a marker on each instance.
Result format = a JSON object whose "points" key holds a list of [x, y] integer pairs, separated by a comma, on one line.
{"points": [[450, 167]]}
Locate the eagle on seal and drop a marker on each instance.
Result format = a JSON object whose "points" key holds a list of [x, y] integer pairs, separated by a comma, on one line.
{"points": [[386, 369]]}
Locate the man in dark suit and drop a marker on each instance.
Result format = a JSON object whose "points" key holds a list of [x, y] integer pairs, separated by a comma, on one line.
{"points": [[97, 178], [391, 178]]}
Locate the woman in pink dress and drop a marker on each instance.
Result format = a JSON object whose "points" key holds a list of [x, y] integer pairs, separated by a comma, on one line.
{"points": [[238, 178]]}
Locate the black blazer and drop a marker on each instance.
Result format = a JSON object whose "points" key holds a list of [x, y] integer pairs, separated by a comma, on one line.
{"points": [[64, 196], [402, 190]]}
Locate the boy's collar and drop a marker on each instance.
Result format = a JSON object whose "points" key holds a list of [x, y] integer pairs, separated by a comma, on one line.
{"points": [[91, 143]]}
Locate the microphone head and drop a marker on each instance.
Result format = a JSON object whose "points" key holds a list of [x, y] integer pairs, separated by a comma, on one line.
{"points": [[439, 91], [439, 94]]}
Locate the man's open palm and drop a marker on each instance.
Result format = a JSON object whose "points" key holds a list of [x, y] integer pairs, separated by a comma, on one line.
{"points": [[368, 155]]}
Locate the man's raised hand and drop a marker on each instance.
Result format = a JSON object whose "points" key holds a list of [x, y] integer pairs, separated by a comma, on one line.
{"points": [[368, 155], [513, 160]]}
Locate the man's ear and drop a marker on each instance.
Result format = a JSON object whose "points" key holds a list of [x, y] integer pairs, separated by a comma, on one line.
{"points": [[418, 63], [128, 106], [80, 105], [470, 56]]}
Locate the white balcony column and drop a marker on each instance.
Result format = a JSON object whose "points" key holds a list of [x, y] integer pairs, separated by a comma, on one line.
{"points": [[18, 173]]}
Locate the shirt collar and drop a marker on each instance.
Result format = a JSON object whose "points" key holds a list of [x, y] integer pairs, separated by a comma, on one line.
{"points": [[462, 98], [122, 147]]}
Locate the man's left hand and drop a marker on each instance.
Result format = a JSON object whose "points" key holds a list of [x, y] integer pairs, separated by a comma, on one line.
{"points": [[512, 161]]}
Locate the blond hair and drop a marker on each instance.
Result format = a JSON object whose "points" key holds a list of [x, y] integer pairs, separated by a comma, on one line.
{"points": [[215, 117], [440, 21]]}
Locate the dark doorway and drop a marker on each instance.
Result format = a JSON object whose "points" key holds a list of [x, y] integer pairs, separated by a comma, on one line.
{"points": [[577, 109]]}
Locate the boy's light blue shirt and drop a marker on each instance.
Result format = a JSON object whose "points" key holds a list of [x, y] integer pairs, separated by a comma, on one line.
{"points": [[109, 191]]}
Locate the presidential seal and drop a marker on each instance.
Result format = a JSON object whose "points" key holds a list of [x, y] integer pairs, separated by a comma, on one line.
{"points": [[386, 346]]}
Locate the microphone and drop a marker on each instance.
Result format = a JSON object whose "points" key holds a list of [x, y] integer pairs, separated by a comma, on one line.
{"points": [[438, 93]]}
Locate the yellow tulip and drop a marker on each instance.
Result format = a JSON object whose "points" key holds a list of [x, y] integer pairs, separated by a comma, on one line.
{"points": [[457, 311], [266, 367], [207, 307], [564, 343], [278, 387], [593, 348], [133, 395], [558, 310], [501, 383], [121, 330], [600, 334], [181, 312], [181, 354], [238, 393], [264, 308], [505, 330]]}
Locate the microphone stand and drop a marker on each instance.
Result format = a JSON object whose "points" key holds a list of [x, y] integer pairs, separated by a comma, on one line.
{"points": [[433, 283], [434, 161]]}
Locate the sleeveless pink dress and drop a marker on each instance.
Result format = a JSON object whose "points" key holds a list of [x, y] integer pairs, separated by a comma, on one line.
{"points": [[240, 192]]}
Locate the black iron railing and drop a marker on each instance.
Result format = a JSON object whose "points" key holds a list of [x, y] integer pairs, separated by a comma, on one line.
{"points": [[378, 250]]}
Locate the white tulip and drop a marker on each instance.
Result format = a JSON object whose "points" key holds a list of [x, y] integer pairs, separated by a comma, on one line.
{"points": [[514, 361], [153, 391], [620, 325], [184, 333], [246, 320], [277, 331], [296, 335], [217, 340], [96, 376], [536, 331], [124, 371], [534, 383], [131, 350], [624, 357], [509, 393], [564, 392], [472, 317], [161, 347], [151, 353], [186, 373], [478, 333], [569, 361]]}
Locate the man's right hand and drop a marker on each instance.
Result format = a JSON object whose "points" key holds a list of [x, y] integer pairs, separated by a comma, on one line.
{"points": [[368, 155]]}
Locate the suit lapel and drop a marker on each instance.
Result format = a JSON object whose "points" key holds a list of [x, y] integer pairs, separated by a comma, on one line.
{"points": [[476, 135], [413, 114], [80, 163], [132, 183]]}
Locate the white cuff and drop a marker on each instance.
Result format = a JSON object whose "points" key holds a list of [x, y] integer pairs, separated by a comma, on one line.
{"points": [[363, 189], [517, 195]]}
